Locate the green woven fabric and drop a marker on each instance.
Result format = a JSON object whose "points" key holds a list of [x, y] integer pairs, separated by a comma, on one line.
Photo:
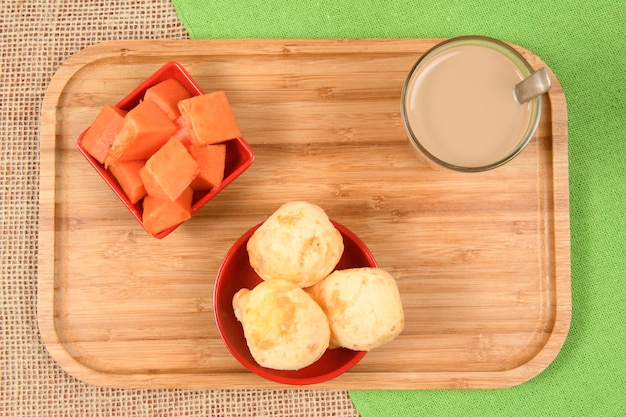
{"points": [[584, 42]]}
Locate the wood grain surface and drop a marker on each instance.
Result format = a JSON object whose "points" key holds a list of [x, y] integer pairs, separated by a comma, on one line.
{"points": [[482, 260]]}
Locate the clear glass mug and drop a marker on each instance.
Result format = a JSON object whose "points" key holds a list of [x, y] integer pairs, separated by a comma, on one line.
{"points": [[459, 106]]}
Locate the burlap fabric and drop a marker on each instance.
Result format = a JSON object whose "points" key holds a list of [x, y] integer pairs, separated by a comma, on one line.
{"points": [[36, 38]]}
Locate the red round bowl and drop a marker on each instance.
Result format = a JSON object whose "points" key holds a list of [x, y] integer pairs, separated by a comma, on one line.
{"points": [[236, 273]]}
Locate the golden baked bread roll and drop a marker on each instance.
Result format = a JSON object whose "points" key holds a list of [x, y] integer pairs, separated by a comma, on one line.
{"points": [[363, 307], [297, 243], [284, 328]]}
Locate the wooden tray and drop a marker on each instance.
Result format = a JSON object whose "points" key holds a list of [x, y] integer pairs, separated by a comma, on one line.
{"points": [[482, 260]]}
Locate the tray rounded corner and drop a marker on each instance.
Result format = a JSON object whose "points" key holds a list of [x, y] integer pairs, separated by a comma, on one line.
{"points": [[63, 358]]}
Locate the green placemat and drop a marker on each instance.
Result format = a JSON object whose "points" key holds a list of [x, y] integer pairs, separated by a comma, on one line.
{"points": [[584, 42]]}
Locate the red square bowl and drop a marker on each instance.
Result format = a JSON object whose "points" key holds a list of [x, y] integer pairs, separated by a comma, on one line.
{"points": [[239, 155]]}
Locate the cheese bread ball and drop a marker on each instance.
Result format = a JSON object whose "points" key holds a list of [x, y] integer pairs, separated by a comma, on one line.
{"points": [[284, 328], [363, 307], [297, 243]]}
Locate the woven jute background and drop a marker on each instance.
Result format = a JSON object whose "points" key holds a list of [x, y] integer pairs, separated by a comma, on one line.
{"points": [[36, 38]]}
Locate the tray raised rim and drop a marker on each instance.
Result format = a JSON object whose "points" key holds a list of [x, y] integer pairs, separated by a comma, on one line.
{"points": [[363, 380]]}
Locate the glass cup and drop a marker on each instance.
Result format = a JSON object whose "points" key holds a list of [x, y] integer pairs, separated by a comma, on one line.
{"points": [[459, 106]]}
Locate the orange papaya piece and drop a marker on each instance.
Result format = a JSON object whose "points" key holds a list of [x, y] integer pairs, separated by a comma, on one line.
{"points": [[101, 134], [127, 175], [182, 133], [211, 160], [160, 214], [209, 118], [169, 171], [145, 129], [166, 95]]}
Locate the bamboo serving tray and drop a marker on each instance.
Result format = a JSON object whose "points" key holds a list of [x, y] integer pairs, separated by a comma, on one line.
{"points": [[482, 260]]}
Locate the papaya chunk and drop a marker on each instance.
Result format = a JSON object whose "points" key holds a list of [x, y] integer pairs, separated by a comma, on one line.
{"points": [[145, 129], [100, 136], [169, 171], [160, 214], [127, 175], [166, 95], [182, 133], [211, 160], [209, 118]]}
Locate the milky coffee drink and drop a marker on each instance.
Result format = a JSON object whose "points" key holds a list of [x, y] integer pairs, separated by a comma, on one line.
{"points": [[461, 107]]}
